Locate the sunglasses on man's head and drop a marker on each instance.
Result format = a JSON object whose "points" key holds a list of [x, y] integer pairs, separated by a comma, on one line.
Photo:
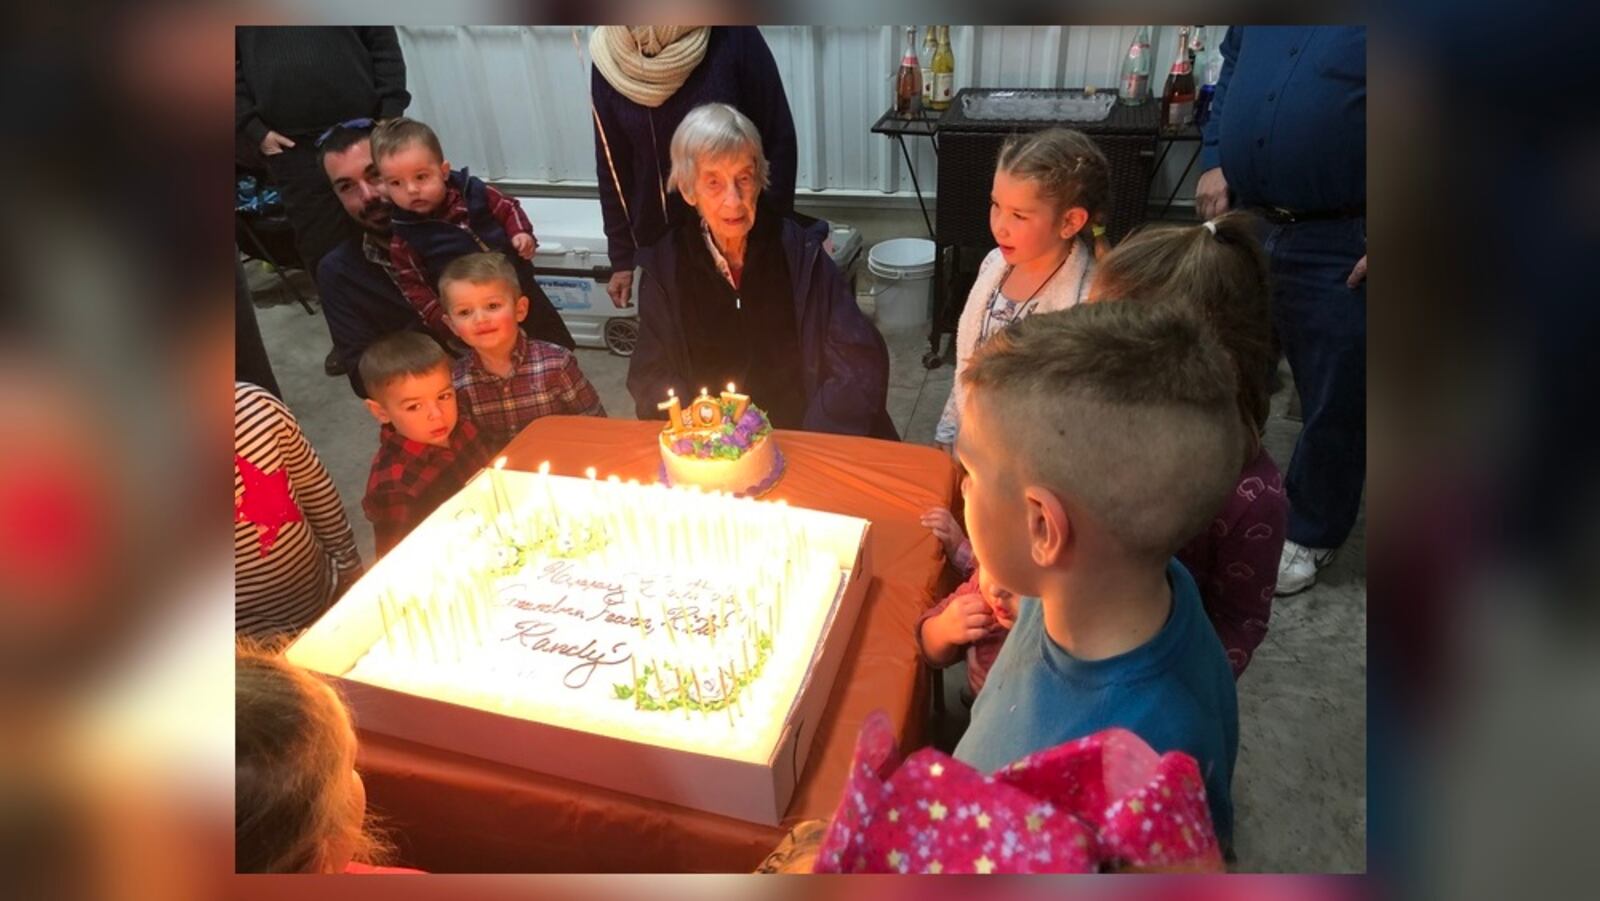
{"points": [[363, 124]]}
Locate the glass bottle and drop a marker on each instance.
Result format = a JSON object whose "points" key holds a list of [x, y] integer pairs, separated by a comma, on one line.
{"points": [[1212, 69], [1134, 83], [930, 46], [908, 83], [1177, 98], [944, 72]]}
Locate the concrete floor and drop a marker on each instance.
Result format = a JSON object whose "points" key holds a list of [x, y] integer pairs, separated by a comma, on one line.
{"points": [[1300, 781]]}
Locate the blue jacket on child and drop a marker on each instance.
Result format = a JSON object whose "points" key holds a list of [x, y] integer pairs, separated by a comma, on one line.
{"points": [[438, 241]]}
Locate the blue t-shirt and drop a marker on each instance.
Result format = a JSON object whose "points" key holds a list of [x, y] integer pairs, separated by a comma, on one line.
{"points": [[1175, 692]]}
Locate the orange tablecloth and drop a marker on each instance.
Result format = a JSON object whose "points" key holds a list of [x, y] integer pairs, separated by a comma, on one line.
{"points": [[455, 813]]}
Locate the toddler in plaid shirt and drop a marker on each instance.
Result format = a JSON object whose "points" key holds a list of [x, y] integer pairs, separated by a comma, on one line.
{"points": [[425, 454], [441, 214], [509, 379]]}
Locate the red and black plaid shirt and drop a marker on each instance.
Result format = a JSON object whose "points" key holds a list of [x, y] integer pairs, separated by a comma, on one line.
{"points": [[410, 479], [545, 380], [412, 276]]}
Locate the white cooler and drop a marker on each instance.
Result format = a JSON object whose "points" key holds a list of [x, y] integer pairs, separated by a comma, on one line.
{"points": [[572, 266]]}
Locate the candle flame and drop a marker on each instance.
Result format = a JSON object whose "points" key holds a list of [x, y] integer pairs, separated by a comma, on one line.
{"points": [[731, 389], [671, 393]]}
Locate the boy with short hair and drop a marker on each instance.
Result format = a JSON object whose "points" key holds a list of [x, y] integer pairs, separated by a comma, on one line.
{"points": [[1096, 441], [425, 454], [440, 214], [508, 380]]}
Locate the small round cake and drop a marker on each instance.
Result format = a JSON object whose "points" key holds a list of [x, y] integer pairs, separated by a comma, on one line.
{"points": [[722, 446]]}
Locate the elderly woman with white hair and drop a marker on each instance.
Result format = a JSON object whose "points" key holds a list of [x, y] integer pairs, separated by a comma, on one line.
{"points": [[740, 293]]}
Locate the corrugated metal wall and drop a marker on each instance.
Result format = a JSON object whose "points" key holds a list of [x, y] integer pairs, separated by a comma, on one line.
{"points": [[511, 102]]}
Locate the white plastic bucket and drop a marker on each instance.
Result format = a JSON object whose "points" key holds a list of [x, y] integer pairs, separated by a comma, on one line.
{"points": [[904, 268]]}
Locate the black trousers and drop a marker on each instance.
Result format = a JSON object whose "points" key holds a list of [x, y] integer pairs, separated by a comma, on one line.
{"points": [[250, 363]]}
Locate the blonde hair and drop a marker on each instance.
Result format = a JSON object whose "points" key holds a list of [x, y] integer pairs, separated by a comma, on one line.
{"points": [[1067, 166], [1124, 409], [397, 355], [479, 269], [1218, 269], [713, 130], [293, 750], [394, 135]]}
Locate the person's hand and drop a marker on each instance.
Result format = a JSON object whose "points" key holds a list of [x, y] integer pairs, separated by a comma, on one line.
{"points": [[1358, 274], [945, 528], [1211, 194], [966, 619], [621, 288], [274, 144], [1002, 603], [524, 245]]}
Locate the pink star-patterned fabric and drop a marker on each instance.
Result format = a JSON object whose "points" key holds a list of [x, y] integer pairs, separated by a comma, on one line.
{"points": [[1103, 802], [1235, 560], [266, 502]]}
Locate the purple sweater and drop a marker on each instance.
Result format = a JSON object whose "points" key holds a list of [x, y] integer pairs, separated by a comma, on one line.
{"points": [[738, 69], [1235, 560]]}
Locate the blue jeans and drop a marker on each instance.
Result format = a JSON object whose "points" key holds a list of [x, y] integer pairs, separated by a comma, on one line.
{"points": [[1322, 326]]}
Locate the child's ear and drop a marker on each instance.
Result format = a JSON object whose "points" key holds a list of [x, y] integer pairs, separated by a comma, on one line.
{"points": [[377, 410], [444, 168], [1048, 526], [522, 308], [450, 321], [1073, 221]]}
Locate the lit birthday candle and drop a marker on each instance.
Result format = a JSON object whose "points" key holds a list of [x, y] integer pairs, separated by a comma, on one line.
{"points": [[633, 670], [741, 402], [674, 410], [705, 411], [387, 620], [497, 483]]}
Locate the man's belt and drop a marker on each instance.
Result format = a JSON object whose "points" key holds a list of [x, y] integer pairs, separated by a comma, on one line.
{"points": [[1278, 215]]}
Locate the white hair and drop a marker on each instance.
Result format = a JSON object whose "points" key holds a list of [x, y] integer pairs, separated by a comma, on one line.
{"points": [[711, 131]]}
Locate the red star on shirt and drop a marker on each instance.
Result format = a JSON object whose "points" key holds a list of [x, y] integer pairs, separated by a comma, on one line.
{"points": [[266, 502]]}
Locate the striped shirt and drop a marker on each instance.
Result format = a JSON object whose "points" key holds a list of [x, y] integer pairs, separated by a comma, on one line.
{"points": [[290, 535], [545, 381]]}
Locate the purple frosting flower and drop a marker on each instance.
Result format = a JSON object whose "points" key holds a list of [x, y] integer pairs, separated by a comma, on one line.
{"points": [[703, 450], [750, 421], [683, 446], [740, 439]]}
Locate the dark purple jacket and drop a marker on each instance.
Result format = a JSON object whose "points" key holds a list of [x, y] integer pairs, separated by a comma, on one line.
{"points": [[845, 364], [738, 70]]}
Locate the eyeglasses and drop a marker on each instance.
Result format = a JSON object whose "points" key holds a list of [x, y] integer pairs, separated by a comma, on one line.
{"points": [[363, 124]]}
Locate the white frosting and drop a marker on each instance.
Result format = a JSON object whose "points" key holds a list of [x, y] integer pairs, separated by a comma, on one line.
{"points": [[733, 476], [689, 621]]}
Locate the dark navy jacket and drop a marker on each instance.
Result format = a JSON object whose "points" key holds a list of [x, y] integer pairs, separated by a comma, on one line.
{"points": [[438, 242], [1289, 120], [361, 303], [845, 363]]}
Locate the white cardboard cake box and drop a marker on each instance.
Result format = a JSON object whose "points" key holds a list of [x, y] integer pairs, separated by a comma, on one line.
{"points": [[757, 793]]}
